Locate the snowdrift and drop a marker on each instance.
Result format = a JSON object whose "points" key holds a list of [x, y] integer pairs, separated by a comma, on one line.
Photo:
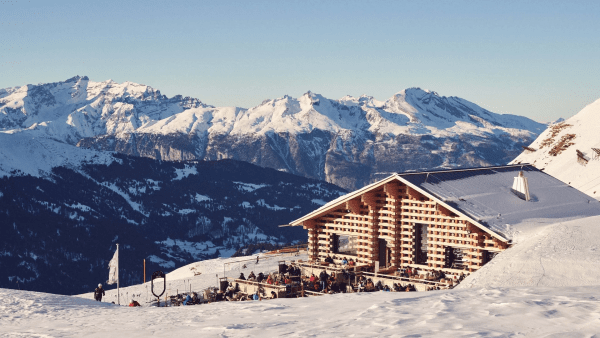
{"points": [[546, 254]]}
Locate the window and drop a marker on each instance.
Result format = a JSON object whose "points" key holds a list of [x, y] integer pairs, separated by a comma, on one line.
{"points": [[345, 244]]}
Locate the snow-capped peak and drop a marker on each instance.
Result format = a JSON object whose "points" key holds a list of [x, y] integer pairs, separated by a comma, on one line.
{"points": [[138, 120], [566, 150]]}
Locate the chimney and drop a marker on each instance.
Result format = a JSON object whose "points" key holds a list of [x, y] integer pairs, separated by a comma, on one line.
{"points": [[520, 187]]}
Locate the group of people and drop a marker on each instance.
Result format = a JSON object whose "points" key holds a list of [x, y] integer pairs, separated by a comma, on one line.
{"points": [[326, 283], [282, 278], [434, 276], [344, 262], [290, 276]]}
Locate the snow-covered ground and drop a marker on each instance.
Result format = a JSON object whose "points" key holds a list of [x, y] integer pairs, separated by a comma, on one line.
{"points": [[197, 277], [546, 285], [503, 312], [547, 254]]}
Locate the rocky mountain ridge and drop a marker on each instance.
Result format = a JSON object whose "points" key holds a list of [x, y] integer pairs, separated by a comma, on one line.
{"points": [[349, 142], [570, 150]]}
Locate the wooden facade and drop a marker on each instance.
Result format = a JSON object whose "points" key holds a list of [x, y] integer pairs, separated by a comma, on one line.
{"points": [[395, 224]]}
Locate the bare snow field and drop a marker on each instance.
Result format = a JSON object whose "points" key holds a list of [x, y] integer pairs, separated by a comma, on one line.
{"points": [[546, 254], [515, 312], [546, 285]]}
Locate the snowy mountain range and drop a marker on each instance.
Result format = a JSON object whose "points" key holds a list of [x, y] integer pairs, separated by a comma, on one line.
{"points": [[566, 150], [349, 142], [63, 226]]}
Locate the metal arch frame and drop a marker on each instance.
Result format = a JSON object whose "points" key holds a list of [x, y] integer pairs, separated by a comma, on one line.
{"points": [[158, 274]]}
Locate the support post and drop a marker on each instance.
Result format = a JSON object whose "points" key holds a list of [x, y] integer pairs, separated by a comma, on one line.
{"points": [[118, 277]]}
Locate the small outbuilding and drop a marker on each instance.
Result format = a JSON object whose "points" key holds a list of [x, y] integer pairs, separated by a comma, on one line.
{"points": [[445, 219]]}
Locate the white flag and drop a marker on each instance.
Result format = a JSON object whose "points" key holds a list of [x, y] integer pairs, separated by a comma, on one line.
{"points": [[113, 273]]}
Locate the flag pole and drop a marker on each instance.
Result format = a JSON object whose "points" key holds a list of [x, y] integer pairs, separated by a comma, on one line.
{"points": [[118, 277]]}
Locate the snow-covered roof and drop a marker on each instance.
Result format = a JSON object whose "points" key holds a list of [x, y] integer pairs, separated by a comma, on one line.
{"points": [[484, 195]]}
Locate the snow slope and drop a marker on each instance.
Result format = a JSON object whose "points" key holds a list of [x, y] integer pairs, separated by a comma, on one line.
{"points": [[26, 154], [542, 287], [514, 312], [546, 254], [199, 276], [582, 132]]}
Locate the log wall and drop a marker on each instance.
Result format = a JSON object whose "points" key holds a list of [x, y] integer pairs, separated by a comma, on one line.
{"points": [[393, 213]]}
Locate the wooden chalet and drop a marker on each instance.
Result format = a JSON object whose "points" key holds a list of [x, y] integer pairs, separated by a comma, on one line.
{"points": [[448, 219]]}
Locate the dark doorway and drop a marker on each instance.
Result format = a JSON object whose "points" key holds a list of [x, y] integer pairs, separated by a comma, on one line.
{"points": [[420, 243], [382, 253], [488, 256]]}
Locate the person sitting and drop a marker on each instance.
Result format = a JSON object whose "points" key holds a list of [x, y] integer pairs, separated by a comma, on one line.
{"points": [[328, 259], [360, 286], [386, 288], [269, 280], [273, 295], [133, 303], [188, 300], [242, 276], [370, 286], [313, 277], [287, 281], [252, 276], [336, 287], [260, 277], [255, 296], [344, 261], [230, 290], [351, 262]]}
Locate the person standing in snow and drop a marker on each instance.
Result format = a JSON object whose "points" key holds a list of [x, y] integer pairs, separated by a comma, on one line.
{"points": [[98, 293], [323, 278]]}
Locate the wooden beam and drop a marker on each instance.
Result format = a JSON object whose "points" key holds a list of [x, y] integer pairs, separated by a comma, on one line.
{"points": [[354, 206]]}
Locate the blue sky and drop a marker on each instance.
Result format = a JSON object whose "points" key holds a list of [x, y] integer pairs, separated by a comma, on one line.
{"points": [[538, 59]]}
